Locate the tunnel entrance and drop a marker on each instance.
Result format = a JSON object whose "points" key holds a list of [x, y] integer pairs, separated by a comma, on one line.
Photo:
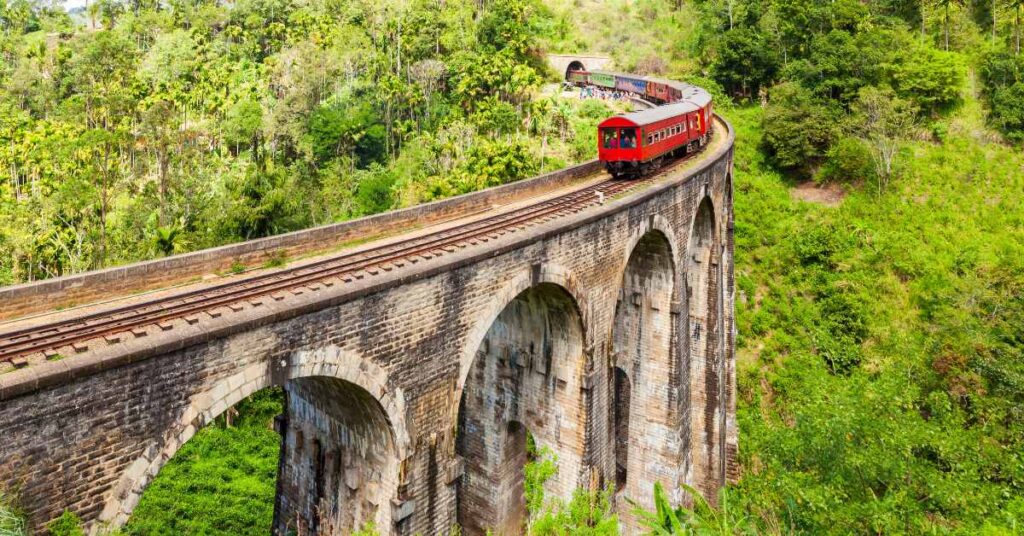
{"points": [[645, 376], [574, 65], [525, 376]]}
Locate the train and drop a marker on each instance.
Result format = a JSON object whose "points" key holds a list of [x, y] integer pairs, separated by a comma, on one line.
{"points": [[635, 143]]}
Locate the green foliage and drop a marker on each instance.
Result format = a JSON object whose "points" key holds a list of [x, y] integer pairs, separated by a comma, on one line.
{"points": [[798, 127], [1008, 111], [871, 396], [1002, 76], [241, 123], [11, 522], [701, 520], [166, 127], [222, 481], [588, 513], [744, 62], [68, 524], [930, 78], [848, 161]]}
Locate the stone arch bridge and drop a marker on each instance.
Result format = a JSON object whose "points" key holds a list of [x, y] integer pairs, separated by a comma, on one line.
{"points": [[606, 331]]}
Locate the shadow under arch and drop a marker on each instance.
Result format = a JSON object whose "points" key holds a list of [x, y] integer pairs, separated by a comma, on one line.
{"points": [[344, 428], [703, 333], [527, 370], [645, 373]]}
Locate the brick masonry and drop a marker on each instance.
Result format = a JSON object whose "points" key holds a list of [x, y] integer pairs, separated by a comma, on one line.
{"points": [[525, 332]]}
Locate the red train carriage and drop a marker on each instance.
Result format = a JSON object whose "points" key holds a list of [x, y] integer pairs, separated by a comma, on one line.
{"points": [[634, 143]]}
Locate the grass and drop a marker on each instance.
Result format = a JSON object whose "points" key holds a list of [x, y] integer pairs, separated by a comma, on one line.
{"points": [[222, 482], [880, 359], [11, 521]]}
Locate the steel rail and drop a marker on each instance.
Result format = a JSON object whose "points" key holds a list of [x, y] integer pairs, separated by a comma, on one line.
{"points": [[122, 319], [113, 321]]}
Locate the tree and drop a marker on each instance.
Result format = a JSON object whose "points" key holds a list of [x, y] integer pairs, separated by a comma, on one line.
{"points": [[930, 78], [1008, 111], [242, 123], [884, 121], [798, 127], [1016, 6], [946, 4], [160, 134], [743, 62]]}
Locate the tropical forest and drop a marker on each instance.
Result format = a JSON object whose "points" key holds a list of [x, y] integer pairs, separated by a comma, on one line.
{"points": [[879, 222]]}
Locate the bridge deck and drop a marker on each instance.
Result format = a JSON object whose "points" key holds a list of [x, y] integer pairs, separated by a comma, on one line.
{"points": [[511, 208]]}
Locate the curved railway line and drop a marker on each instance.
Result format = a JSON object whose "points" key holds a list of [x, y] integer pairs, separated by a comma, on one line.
{"points": [[49, 337]]}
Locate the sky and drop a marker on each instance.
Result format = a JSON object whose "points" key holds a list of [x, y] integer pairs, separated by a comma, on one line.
{"points": [[72, 4]]}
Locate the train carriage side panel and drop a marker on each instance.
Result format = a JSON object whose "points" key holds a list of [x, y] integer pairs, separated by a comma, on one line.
{"points": [[631, 84], [603, 79], [579, 77]]}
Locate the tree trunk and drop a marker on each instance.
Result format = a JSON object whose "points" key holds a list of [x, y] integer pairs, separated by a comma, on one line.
{"points": [[163, 162], [922, 20], [947, 25], [993, 22]]}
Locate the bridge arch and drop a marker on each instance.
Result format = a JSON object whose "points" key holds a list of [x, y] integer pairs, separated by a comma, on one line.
{"points": [[541, 273], [704, 325], [325, 380], [525, 375], [645, 371]]}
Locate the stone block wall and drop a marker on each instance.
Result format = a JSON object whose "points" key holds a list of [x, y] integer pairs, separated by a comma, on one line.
{"points": [[88, 433]]}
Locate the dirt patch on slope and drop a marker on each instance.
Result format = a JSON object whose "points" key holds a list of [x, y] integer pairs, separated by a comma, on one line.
{"points": [[830, 195]]}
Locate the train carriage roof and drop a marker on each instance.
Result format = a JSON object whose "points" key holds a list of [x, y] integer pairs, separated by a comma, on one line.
{"points": [[652, 115], [614, 73], [694, 94]]}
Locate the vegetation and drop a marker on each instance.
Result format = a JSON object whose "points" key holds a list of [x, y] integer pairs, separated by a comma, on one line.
{"points": [[881, 357], [586, 514], [220, 482], [11, 522], [159, 128]]}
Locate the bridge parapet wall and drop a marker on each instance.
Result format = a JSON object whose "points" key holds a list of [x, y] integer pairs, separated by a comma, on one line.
{"points": [[99, 285]]}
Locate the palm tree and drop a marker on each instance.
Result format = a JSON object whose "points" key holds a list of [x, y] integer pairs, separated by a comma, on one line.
{"points": [[945, 5], [93, 10], [1016, 6]]}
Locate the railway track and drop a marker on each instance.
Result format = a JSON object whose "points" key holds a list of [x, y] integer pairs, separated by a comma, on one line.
{"points": [[253, 291]]}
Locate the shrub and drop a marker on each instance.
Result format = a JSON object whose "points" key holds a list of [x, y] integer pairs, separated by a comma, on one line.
{"points": [[819, 245], [848, 161], [798, 128], [1008, 111], [68, 524], [11, 523]]}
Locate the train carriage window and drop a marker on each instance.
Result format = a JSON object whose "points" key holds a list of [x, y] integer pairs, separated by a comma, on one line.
{"points": [[650, 138], [628, 138], [610, 138]]}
